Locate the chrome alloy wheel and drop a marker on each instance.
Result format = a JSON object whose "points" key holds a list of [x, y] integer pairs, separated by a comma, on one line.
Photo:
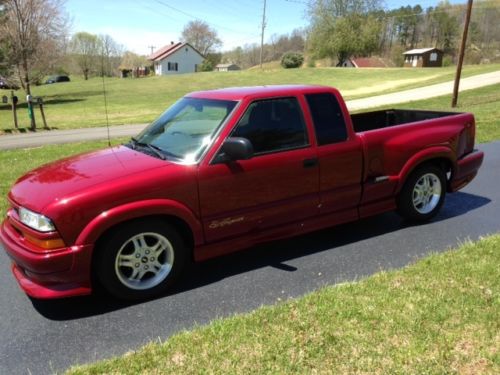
{"points": [[426, 193], [144, 261]]}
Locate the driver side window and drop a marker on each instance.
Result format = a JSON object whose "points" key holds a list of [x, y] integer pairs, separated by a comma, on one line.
{"points": [[273, 125]]}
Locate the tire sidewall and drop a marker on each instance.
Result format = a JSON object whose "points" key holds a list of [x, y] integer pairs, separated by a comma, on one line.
{"points": [[406, 207], [107, 253]]}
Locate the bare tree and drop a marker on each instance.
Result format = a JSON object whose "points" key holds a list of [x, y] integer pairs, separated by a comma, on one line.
{"points": [[85, 49], [110, 53], [201, 36], [34, 32]]}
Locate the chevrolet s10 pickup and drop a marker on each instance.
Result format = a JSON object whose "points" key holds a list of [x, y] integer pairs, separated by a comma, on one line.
{"points": [[220, 171]]}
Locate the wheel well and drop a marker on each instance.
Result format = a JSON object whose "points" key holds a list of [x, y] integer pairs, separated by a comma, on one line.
{"points": [[445, 164], [177, 223]]}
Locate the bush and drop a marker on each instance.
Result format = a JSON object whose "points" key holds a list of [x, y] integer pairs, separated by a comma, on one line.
{"points": [[292, 60], [447, 60], [207, 66]]}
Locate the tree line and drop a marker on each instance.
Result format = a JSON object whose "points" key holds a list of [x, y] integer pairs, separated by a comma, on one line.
{"points": [[34, 38]]}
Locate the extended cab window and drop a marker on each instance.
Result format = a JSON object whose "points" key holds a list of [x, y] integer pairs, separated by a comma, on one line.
{"points": [[328, 119], [273, 125]]}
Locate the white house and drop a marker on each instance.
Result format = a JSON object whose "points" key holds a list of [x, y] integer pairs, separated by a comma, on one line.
{"points": [[176, 58]]}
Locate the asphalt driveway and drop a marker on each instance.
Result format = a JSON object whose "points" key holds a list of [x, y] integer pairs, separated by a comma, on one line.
{"points": [[45, 337]]}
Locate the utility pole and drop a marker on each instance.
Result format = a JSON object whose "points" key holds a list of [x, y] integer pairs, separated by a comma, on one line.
{"points": [[152, 48], [461, 55], [262, 33]]}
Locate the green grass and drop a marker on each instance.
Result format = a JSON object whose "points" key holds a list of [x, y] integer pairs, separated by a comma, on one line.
{"points": [[79, 103], [438, 316], [484, 103]]}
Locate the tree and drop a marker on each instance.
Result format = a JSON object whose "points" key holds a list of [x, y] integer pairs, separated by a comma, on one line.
{"points": [[344, 28], [85, 49], [292, 60], [110, 53], [33, 33], [201, 36]]}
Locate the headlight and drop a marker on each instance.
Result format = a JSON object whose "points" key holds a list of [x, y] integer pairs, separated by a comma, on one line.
{"points": [[35, 221]]}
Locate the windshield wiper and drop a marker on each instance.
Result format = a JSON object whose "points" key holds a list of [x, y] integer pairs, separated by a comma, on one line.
{"points": [[157, 150]]}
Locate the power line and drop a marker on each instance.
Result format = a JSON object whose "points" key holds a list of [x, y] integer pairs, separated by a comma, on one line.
{"points": [[200, 19]]}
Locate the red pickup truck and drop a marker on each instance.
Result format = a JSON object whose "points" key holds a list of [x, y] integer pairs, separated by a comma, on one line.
{"points": [[221, 171]]}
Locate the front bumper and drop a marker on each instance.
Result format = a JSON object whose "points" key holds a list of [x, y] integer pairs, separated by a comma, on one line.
{"points": [[61, 273], [467, 168]]}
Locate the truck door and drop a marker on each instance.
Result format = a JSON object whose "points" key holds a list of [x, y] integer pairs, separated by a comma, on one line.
{"points": [[340, 157], [278, 185]]}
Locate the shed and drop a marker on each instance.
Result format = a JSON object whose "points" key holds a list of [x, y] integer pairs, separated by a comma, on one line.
{"points": [[423, 58], [226, 67], [176, 58]]}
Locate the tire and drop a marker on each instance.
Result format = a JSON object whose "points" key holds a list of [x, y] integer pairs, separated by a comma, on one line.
{"points": [[423, 194], [141, 260]]}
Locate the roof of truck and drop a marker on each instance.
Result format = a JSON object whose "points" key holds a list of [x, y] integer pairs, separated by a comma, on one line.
{"points": [[239, 93]]}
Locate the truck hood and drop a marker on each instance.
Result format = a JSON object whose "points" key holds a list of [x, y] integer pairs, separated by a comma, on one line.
{"points": [[54, 181]]}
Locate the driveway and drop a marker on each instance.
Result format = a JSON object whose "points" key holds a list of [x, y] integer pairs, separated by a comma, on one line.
{"points": [[88, 134], [45, 337]]}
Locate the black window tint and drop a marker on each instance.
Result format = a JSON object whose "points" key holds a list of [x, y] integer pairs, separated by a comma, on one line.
{"points": [[327, 117], [273, 125]]}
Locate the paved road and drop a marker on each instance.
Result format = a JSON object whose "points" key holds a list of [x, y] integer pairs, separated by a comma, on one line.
{"points": [[42, 337], [87, 134]]}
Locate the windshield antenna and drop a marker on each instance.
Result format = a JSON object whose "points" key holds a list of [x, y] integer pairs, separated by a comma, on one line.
{"points": [[105, 105]]}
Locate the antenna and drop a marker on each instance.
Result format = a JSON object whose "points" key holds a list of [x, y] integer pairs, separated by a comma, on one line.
{"points": [[262, 33], [106, 107]]}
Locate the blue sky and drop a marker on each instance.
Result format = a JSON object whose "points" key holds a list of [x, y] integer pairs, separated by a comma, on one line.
{"points": [[138, 24]]}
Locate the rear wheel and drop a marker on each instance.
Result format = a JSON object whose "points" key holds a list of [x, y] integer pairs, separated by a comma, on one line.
{"points": [[423, 194], [141, 260]]}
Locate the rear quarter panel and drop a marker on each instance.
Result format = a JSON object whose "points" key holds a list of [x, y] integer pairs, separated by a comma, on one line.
{"points": [[396, 151]]}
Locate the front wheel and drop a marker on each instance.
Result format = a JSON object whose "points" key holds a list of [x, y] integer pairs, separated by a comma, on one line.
{"points": [[423, 194], [141, 260]]}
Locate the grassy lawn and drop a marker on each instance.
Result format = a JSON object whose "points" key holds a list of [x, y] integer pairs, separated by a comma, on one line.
{"points": [[440, 315], [484, 103], [79, 103]]}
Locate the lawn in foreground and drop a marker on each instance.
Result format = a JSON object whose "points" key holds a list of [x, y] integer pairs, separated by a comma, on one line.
{"points": [[438, 316], [80, 103]]}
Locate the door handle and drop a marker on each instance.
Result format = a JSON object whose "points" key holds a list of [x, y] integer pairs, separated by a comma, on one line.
{"points": [[309, 163]]}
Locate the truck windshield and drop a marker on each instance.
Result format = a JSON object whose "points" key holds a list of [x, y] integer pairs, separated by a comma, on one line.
{"points": [[184, 130]]}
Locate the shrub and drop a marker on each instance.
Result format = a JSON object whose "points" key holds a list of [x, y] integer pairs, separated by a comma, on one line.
{"points": [[207, 66], [292, 60]]}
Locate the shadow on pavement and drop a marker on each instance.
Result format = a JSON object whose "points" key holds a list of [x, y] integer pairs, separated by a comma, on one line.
{"points": [[273, 254]]}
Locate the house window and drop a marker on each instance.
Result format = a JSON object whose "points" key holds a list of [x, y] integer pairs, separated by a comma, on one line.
{"points": [[173, 66], [434, 56]]}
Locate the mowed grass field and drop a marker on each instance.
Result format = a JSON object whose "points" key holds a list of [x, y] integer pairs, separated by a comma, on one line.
{"points": [[80, 103]]}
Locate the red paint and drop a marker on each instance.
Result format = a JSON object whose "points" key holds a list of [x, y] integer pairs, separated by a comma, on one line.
{"points": [[228, 206]]}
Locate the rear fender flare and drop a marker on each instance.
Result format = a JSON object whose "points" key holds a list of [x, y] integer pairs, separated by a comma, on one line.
{"points": [[436, 152], [116, 215]]}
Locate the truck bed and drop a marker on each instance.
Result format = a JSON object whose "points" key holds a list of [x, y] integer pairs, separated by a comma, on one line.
{"points": [[366, 121]]}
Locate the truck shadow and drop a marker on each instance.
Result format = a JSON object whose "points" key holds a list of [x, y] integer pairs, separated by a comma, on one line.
{"points": [[273, 254]]}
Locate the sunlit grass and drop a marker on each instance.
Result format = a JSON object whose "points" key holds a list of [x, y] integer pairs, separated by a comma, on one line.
{"points": [[80, 103]]}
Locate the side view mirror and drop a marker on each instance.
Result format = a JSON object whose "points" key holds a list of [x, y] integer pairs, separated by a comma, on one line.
{"points": [[235, 148]]}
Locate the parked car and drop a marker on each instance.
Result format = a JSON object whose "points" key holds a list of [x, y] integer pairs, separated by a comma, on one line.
{"points": [[220, 171], [56, 79], [7, 84]]}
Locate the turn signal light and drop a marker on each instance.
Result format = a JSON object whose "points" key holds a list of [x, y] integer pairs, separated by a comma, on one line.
{"points": [[54, 243]]}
